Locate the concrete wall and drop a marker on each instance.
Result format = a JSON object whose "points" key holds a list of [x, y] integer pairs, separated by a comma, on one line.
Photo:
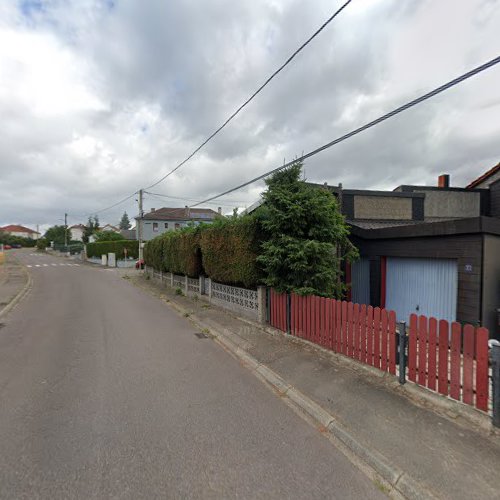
{"points": [[448, 204], [382, 207], [491, 283]]}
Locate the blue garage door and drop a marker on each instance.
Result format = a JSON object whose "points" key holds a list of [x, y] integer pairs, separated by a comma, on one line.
{"points": [[360, 281], [422, 286]]}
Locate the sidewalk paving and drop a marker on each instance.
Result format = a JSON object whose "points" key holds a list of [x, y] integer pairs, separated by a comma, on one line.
{"points": [[13, 281], [444, 454]]}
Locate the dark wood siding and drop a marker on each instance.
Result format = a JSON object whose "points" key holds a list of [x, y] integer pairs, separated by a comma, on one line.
{"points": [[467, 249], [495, 199]]}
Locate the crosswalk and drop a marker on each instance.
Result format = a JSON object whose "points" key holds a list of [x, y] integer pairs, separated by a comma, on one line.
{"points": [[52, 265]]}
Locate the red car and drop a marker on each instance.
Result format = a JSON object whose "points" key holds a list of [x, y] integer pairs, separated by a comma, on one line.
{"points": [[7, 247]]}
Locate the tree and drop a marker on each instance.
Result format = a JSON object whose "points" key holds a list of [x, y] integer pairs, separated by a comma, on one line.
{"points": [[125, 222], [56, 234], [108, 236], [305, 237], [91, 227]]}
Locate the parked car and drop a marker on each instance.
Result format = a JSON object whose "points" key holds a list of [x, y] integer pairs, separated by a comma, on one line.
{"points": [[7, 247], [17, 245], [139, 264]]}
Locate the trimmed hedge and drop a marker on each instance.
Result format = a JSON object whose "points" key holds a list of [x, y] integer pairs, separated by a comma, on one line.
{"points": [[99, 248], [229, 250], [153, 253], [181, 252]]}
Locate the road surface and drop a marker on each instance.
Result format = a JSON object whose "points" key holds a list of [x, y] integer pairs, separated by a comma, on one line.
{"points": [[105, 392]]}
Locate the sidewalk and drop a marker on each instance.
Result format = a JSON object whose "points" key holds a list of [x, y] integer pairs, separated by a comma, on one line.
{"points": [[416, 450], [14, 282]]}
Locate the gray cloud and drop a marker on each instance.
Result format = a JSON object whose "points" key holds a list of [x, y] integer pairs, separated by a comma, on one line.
{"points": [[101, 98]]}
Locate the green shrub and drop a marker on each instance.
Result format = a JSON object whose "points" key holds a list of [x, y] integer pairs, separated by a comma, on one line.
{"points": [[104, 247], [181, 251], [42, 244], [153, 253], [229, 251]]}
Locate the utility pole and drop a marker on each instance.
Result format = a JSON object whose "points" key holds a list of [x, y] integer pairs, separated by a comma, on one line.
{"points": [[66, 231], [139, 229]]}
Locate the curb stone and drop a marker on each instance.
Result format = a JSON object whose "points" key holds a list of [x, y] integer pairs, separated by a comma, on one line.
{"points": [[400, 481], [19, 296]]}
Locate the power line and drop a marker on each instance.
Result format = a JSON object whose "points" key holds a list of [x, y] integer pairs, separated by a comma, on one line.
{"points": [[192, 199], [288, 61], [111, 206], [406, 106]]}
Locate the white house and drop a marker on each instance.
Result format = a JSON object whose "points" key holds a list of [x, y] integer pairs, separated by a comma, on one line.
{"points": [[21, 231], [77, 232]]}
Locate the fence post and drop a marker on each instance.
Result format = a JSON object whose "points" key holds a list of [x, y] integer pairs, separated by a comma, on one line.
{"points": [[402, 352], [172, 280], [161, 277], [288, 313], [495, 369], [268, 305], [202, 285], [210, 289], [186, 285], [261, 304]]}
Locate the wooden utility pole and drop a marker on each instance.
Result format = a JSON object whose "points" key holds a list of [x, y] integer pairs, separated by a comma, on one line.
{"points": [[139, 229]]}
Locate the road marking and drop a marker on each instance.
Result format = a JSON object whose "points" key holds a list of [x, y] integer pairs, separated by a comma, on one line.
{"points": [[38, 265], [77, 265], [29, 265], [55, 265], [45, 265], [62, 264]]}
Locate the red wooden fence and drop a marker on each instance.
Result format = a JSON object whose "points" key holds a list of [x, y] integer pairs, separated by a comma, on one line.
{"points": [[361, 332], [445, 358], [452, 361]]}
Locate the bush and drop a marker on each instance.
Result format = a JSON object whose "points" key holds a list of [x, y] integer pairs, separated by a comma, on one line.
{"points": [[107, 236], [229, 251], [181, 252], [104, 247], [42, 244], [153, 253]]}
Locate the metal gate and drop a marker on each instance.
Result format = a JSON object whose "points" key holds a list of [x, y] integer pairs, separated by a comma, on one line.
{"points": [[422, 286]]}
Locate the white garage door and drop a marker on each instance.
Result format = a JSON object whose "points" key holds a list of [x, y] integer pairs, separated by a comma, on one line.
{"points": [[422, 286]]}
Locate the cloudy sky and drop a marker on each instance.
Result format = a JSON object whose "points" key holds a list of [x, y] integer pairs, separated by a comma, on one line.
{"points": [[99, 98]]}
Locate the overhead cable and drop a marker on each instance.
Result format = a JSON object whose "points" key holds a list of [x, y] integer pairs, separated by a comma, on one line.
{"points": [[371, 124]]}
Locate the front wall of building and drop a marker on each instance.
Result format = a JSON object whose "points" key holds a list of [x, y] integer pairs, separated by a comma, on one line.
{"points": [[466, 249], [382, 207], [451, 204]]}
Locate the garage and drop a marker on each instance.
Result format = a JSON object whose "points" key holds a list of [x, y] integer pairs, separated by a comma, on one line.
{"points": [[360, 281], [421, 286]]}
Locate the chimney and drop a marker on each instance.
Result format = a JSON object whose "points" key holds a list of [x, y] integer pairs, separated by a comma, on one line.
{"points": [[153, 209], [444, 181], [219, 210]]}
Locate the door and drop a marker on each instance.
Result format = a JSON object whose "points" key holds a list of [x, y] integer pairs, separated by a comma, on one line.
{"points": [[360, 281], [422, 286]]}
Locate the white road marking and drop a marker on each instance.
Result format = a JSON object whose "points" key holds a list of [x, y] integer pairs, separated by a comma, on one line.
{"points": [[55, 265], [38, 265], [28, 265], [61, 264], [45, 265], [77, 265]]}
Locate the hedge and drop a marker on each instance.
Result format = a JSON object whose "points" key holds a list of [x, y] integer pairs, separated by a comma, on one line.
{"points": [[153, 253], [99, 248], [181, 252], [229, 250]]}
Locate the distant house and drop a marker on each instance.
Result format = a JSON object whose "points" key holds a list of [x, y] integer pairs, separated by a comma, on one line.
{"points": [[106, 227], [165, 219], [490, 180], [128, 234], [77, 232], [21, 231]]}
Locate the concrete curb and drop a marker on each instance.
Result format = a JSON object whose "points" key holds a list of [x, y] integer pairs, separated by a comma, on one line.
{"points": [[20, 296], [398, 480]]}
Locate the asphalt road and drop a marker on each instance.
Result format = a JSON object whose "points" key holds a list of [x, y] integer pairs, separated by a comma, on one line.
{"points": [[107, 393]]}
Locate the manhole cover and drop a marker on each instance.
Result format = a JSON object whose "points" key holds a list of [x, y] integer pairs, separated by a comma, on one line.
{"points": [[201, 336]]}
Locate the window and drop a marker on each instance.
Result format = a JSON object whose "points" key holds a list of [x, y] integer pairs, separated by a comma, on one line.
{"points": [[166, 225], [177, 225], [155, 227]]}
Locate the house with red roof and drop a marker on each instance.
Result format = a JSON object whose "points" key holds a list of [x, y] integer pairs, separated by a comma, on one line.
{"points": [[21, 231]]}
